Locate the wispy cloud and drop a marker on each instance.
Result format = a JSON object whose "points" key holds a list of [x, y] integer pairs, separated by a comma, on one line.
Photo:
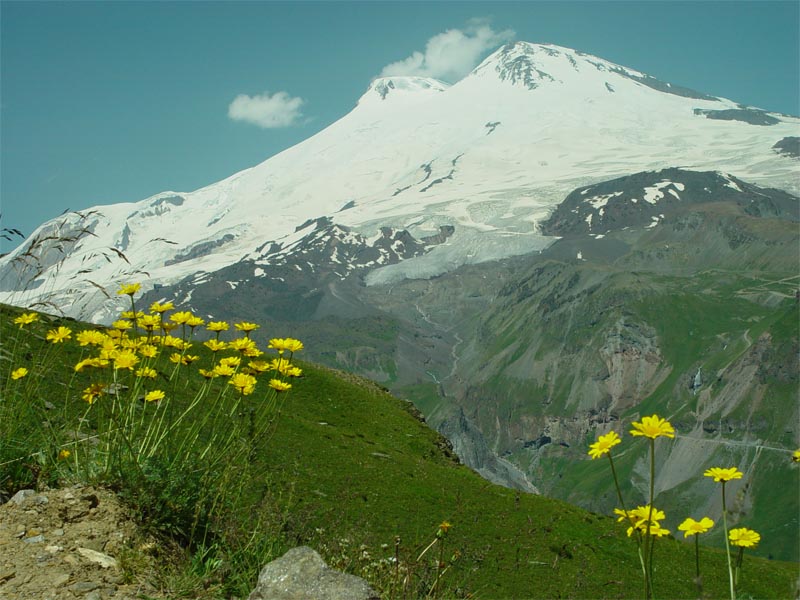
{"points": [[265, 110], [452, 54]]}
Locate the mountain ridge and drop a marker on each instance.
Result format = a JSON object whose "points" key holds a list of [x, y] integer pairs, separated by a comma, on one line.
{"points": [[486, 156]]}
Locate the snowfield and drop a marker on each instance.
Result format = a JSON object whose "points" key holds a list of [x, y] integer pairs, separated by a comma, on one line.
{"points": [[491, 155]]}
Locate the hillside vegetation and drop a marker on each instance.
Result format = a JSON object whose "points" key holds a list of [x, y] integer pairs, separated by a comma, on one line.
{"points": [[338, 464]]}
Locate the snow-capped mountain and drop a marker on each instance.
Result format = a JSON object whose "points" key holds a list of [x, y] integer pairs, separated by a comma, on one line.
{"points": [[487, 159]]}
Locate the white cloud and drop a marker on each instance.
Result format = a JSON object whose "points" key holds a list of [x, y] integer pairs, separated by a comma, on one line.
{"points": [[452, 54], [265, 110]]}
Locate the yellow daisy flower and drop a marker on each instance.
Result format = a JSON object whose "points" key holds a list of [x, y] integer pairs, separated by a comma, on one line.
{"points": [[181, 318], [215, 345], [720, 474], [90, 337], [128, 289], [122, 325], [222, 370], [56, 336], [246, 327], [158, 307], [217, 326], [242, 344], [148, 372], [653, 427], [19, 373], [604, 444], [744, 537], [125, 359], [154, 396], [26, 319], [91, 393], [279, 386], [244, 383], [692, 527]]}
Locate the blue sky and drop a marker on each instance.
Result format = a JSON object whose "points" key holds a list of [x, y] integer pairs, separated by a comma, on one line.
{"points": [[116, 101]]}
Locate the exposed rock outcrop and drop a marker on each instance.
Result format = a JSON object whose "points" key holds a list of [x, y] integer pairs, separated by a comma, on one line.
{"points": [[301, 574]]}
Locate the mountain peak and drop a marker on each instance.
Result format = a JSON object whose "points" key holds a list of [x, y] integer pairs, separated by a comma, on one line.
{"points": [[529, 64], [534, 65], [396, 87]]}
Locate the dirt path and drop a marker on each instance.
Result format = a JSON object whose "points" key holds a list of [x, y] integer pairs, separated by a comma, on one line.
{"points": [[66, 544]]}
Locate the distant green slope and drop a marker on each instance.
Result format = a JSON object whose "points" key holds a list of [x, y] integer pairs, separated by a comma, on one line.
{"points": [[349, 461]]}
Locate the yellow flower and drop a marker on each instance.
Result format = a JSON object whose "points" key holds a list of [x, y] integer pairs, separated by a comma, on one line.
{"points": [[242, 344], [692, 527], [195, 322], [222, 370], [148, 351], [149, 322], [604, 444], [91, 362], [243, 383], [294, 372], [217, 326], [176, 357], [796, 455], [258, 366], [90, 337], [181, 318], [653, 427], [639, 517], [279, 386], [746, 538], [64, 454], [148, 372], [92, 392], [252, 352], [282, 344], [189, 359], [124, 359], [26, 319], [207, 374], [280, 365], [657, 530], [215, 345], [643, 513], [130, 315], [128, 289], [166, 326], [246, 327], [154, 396], [720, 474], [19, 373], [172, 342], [122, 325], [157, 307], [444, 527], [230, 361], [57, 336]]}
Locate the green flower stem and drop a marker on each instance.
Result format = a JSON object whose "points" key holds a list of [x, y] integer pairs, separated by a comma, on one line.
{"points": [[697, 565], [648, 540], [625, 510], [738, 566], [727, 545]]}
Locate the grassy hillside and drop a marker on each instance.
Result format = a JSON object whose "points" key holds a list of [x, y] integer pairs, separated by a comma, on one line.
{"points": [[348, 469]]}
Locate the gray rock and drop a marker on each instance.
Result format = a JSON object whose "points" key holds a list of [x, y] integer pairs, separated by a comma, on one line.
{"points": [[301, 574], [21, 496]]}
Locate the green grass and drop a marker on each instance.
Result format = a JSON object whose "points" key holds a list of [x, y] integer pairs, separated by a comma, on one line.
{"points": [[348, 468]]}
